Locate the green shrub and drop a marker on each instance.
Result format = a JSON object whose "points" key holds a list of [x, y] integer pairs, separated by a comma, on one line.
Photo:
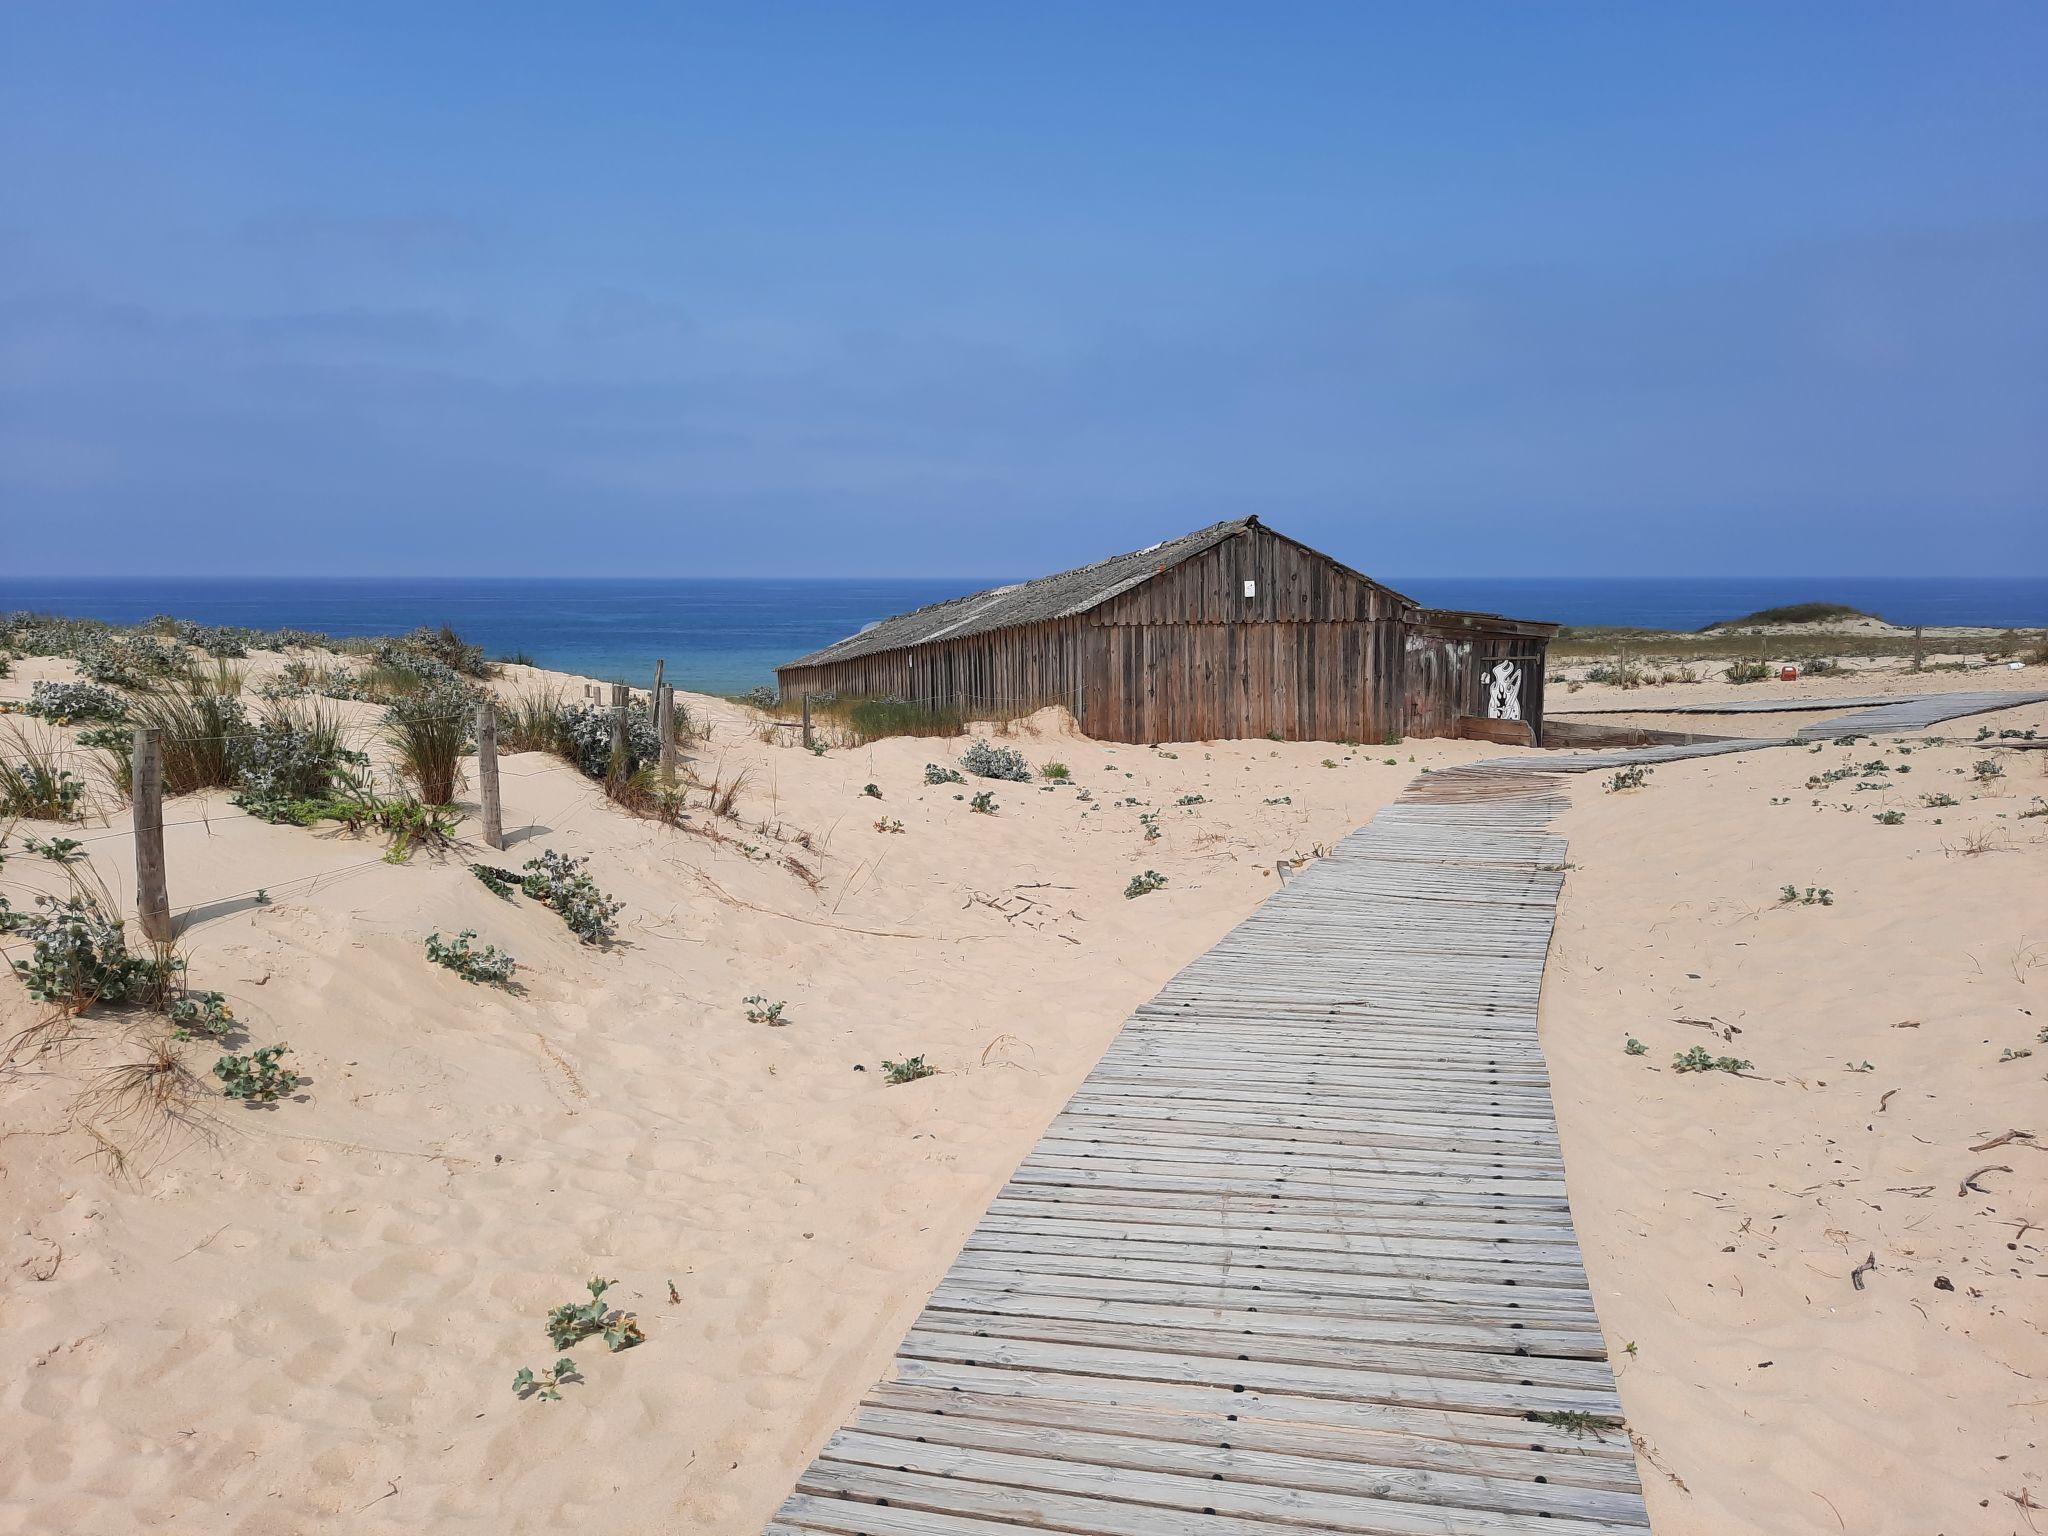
{"points": [[501, 881], [1746, 669], [908, 1070], [525, 1384], [761, 1011], [1143, 885], [78, 954], [987, 762], [1059, 773], [258, 1078], [69, 703], [983, 803], [200, 1015], [489, 964], [1793, 613], [558, 881], [574, 1320], [1698, 1060], [934, 774]]}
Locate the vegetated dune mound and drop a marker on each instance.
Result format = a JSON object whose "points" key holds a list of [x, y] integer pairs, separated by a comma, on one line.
{"points": [[1806, 618]]}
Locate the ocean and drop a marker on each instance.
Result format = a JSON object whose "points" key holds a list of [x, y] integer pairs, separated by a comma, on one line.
{"points": [[726, 636]]}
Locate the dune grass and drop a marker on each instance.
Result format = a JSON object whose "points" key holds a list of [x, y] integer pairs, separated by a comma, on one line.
{"points": [[429, 733], [34, 783], [198, 718], [854, 722]]}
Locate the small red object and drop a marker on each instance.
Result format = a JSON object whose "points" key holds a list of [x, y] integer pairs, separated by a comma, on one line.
{"points": [[1788, 674]]}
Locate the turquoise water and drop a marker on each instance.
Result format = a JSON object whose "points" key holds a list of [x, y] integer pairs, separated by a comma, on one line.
{"points": [[728, 636]]}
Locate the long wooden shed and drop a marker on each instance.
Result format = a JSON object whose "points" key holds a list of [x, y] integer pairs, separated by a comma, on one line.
{"points": [[1233, 630]]}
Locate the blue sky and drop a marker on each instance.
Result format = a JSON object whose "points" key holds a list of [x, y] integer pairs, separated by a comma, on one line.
{"points": [[895, 289]]}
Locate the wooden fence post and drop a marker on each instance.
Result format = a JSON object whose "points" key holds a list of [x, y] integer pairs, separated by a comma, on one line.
{"points": [[620, 694], [665, 725], [1918, 630], [152, 898], [807, 720], [487, 772]]}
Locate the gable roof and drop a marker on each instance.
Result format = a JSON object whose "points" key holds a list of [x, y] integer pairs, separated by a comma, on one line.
{"points": [[1059, 596]]}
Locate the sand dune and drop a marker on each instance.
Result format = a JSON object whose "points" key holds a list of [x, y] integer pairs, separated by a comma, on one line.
{"points": [[277, 1315], [1722, 1217], [308, 1317]]}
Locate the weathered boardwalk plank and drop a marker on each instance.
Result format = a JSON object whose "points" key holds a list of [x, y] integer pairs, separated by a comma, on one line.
{"points": [[1297, 1255]]}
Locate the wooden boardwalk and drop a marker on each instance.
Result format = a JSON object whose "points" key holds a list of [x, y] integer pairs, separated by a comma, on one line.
{"points": [[1297, 1255]]}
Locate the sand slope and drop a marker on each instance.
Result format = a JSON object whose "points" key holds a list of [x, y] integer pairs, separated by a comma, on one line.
{"points": [[275, 1317], [1722, 1216]]}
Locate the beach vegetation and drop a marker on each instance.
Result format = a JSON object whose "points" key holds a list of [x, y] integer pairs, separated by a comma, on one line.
{"points": [[1144, 884], [1985, 770], [1747, 669], [559, 881], [1574, 1421], [200, 723], [872, 791], [761, 1011], [1635, 1047], [1698, 1059], [1890, 818], [32, 784], [71, 703], [429, 733], [501, 881], [984, 803], [1058, 773], [532, 722], [1812, 896], [1792, 613], [934, 774], [724, 794], [1634, 777], [888, 824], [987, 762], [527, 1385], [908, 1070], [77, 953], [485, 965], [198, 1015], [258, 1078], [58, 850], [574, 1321]]}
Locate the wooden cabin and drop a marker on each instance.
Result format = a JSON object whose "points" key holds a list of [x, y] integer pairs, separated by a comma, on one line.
{"points": [[1233, 630]]}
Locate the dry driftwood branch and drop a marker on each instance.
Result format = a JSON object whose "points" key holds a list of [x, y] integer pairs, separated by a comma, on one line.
{"points": [[1971, 1183], [1868, 1265], [2001, 1139]]}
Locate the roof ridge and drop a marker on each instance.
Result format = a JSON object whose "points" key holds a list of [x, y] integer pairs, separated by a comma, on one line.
{"points": [[970, 605]]}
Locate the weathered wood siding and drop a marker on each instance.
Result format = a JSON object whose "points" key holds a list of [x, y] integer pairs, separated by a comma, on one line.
{"points": [[1315, 652], [1294, 585], [1177, 682], [1010, 670]]}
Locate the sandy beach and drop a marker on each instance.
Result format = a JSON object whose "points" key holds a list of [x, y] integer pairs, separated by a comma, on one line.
{"points": [[272, 1316], [308, 1315]]}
